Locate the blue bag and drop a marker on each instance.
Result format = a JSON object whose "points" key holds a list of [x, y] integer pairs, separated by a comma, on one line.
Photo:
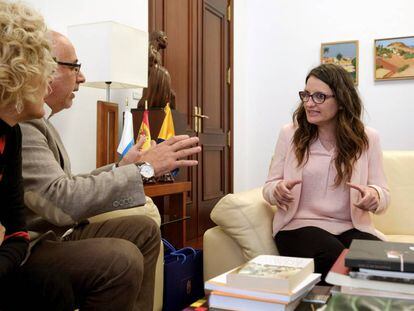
{"points": [[183, 276]]}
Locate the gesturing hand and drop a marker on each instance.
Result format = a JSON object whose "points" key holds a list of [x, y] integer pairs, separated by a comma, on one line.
{"points": [[134, 154], [166, 156], [369, 197], [283, 194]]}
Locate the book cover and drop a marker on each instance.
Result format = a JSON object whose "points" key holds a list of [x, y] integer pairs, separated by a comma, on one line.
{"points": [[351, 302], [339, 275], [219, 283], [240, 303], [275, 273], [381, 255]]}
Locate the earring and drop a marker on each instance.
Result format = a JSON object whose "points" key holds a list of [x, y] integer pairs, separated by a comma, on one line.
{"points": [[19, 108]]}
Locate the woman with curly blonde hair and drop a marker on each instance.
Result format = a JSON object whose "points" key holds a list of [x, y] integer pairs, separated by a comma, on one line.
{"points": [[26, 68], [326, 176]]}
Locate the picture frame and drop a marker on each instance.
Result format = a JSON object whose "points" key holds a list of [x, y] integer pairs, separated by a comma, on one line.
{"points": [[344, 54], [394, 58]]}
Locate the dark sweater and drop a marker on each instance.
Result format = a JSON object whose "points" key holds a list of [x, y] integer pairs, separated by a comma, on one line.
{"points": [[16, 241]]}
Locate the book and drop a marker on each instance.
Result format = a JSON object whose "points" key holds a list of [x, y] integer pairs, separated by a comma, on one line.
{"points": [[339, 275], [240, 303], [319, 294], [275, 273], [341, 301], [380, 255], [382, 276], [219, 283]]}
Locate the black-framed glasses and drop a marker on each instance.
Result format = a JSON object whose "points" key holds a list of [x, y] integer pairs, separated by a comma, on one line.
{"points": [[75, 66], [317, 97]]}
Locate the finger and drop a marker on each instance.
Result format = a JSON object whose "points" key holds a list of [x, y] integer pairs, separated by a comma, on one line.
{"points": [[182, 163], [357, 187], [140, 142], [373, 207], [185, 143], [287, 196], [153, 143], [291, 183], [187, 152], [175, 139]]}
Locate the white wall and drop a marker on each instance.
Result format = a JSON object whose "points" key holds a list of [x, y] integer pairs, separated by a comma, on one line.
{"points": [[278, 42], [77, 125]]}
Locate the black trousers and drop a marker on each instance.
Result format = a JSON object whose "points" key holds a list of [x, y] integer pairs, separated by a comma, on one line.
{"points": [[36, 288], [319, 244]]}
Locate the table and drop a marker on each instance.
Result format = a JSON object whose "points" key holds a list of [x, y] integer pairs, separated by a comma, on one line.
{"points": [[171, 200]]}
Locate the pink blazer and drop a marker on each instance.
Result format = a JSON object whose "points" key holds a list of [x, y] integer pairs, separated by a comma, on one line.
{"points": [[368, 170]]}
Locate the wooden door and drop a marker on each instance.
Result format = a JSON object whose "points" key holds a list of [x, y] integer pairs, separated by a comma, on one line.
{"points": [[213, 170], [198, 59], [106, 133]]}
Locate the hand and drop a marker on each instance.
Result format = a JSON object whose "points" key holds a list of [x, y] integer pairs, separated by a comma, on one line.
{"points": [[134, 154], [283, 194], [165, 157], [369, 197], [2, 232]]}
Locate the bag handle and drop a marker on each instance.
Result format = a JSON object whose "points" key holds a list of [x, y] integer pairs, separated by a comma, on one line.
{"points": [[168, 245], [184, 249]]}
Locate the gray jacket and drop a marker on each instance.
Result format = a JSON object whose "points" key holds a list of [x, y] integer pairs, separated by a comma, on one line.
{"points": [[58, 196]]}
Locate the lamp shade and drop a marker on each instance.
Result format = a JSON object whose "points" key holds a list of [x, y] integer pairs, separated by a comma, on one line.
{"points": [[111, 52]]}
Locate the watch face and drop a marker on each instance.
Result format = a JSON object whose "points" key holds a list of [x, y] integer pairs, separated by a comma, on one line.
{"points": [[147, 170]]}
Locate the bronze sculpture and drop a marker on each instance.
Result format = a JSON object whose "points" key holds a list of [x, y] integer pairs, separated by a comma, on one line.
{"points": [[159, 92]]}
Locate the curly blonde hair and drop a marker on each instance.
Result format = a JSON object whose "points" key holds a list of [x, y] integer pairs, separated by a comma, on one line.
{"points": [[26, 63]]}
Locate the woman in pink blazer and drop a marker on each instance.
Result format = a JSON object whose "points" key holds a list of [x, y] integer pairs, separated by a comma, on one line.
{"points": [[326, 175]]}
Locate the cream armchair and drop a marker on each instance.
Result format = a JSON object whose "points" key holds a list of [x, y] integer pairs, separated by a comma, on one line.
{"points": [[244, 220], [150, 210]]}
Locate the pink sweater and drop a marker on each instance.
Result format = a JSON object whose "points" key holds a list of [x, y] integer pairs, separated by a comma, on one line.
{"points": [[317, 204]]}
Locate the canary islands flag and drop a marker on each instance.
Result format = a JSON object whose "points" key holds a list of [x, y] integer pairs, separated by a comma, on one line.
{"points": [[145, 130], [167, 129], [127, 139]]}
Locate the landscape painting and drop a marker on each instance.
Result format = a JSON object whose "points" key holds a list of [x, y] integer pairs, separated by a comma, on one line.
{"points": [[394, 58], [343, 53]]}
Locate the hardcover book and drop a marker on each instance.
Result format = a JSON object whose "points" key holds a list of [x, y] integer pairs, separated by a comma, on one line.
{"points": [[219, 283], [381, 255], [274, 273], [234, 302], [339, 275]]}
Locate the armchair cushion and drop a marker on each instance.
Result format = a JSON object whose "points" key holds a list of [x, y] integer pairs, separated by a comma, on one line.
{"points": [[247, 218]]}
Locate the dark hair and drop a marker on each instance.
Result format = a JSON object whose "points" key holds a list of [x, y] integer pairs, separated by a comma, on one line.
{"points": [[351, 139]]}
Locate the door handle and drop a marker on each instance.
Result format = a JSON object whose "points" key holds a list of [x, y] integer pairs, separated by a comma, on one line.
{"points": [[202, 116]]}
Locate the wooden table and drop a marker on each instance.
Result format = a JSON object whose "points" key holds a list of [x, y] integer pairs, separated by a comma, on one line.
{"points": [[170, 199]]}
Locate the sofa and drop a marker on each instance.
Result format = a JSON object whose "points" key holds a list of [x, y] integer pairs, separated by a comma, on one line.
{"points": [[244, 220], [150, 210]]}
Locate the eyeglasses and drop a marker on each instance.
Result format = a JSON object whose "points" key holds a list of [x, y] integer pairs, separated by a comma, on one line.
{"points": [[75, 66], [317, 97]]}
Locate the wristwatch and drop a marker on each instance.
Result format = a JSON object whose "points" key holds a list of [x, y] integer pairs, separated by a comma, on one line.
{"points": [[146, 170]]}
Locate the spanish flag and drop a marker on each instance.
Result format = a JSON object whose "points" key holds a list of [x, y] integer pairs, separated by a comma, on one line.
{"points": [[167, 129], [145, 130]]}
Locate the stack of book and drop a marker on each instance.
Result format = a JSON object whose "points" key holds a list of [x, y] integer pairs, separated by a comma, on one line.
{"points": [[375, 268], [264, 283]]}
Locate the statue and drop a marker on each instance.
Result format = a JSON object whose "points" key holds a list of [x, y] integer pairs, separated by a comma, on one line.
{"points": [[159, 92]]}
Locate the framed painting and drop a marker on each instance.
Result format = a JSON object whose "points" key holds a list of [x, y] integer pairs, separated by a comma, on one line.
{"points": [[343, 53], [394, 58]]}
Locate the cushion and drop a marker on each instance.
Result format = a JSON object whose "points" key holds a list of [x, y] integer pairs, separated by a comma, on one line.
{"points": [[149, 209], [247, 218], [399, 170]]}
